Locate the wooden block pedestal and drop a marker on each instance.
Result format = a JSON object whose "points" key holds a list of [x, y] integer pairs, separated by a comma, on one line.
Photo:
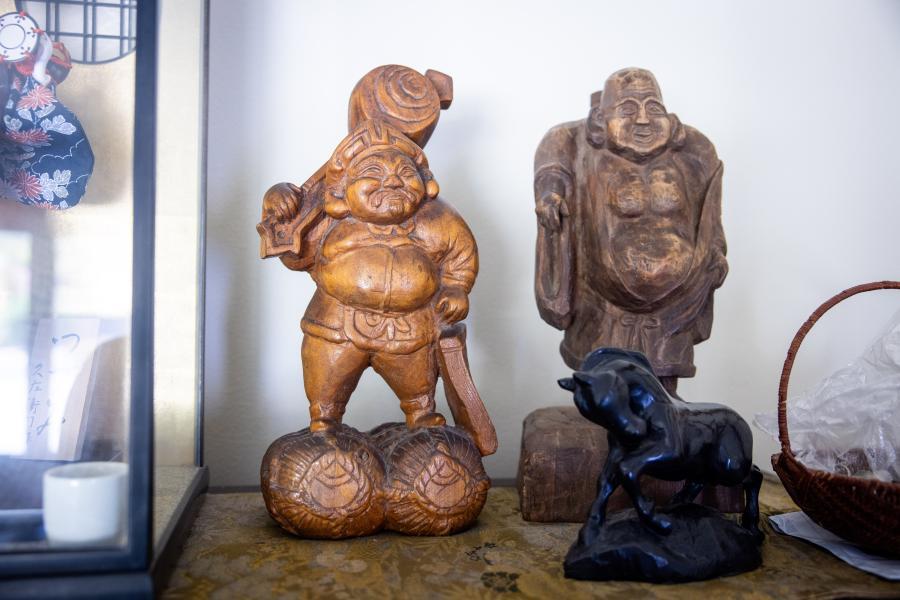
{"points": [[561, 459]]}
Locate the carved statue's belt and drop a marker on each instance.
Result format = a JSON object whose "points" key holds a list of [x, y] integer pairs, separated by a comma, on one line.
{"points": [[397, 334], [376, 331], [641, 329], [614, 325]]}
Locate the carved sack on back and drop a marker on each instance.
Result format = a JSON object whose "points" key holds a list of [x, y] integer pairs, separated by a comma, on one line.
{"points": [[393, 265]]}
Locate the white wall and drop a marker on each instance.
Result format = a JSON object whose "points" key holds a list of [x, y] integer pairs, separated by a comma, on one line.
{"points": [[801, 99]]}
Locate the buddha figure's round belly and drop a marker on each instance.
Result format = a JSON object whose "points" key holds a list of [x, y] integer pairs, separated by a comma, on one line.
{"points": [[651, 264], [379, 277]]}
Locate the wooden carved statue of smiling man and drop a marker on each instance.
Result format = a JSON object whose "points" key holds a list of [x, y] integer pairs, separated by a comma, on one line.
{"points": [[393, 266], [630, 242], [396, 265]]}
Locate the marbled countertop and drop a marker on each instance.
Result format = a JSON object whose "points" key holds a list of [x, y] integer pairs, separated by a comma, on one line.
{"points": [[235, 550]]}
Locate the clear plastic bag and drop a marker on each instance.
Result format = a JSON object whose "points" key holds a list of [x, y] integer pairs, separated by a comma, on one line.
{"points": [[850, 422]]}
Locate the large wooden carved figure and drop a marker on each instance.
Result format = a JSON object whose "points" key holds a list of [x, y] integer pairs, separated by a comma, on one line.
{"points": [[397, 262], [630, 250], [630, 242], [393, 266]]}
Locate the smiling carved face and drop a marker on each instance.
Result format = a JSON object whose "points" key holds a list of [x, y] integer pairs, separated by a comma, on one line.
{"points": [[636, 119], [384, 187]]}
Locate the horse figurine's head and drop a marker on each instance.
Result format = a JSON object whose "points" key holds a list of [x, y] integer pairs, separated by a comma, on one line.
{"points": [[603, 396]]}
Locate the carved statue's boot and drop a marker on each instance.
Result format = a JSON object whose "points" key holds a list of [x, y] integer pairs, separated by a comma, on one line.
{"points": [[316, 425], [324, 417], [428, 419], [420, 413]]}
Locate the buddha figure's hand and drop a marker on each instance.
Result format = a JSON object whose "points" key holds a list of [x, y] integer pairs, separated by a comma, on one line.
{"points": [[550, 209], [452, 304], [282, 202]]}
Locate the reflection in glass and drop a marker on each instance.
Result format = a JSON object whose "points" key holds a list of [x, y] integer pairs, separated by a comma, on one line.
{"points": [[94, 32], [65, 307], [15, 308]]}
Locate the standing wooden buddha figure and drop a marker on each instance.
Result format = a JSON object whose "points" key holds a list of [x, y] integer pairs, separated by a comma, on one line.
{"points": [[630, 242]]}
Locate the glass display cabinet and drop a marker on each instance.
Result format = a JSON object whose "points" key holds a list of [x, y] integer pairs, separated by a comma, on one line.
{"points": [[101, 292]]}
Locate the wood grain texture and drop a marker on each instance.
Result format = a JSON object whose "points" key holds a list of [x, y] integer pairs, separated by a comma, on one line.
{"points": [[561, 458], [345, 483], [630, 244], [465, 403], [436, 484], [393, 265], [324, 486]]}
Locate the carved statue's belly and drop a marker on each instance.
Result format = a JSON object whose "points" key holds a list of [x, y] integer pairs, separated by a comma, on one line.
{"points": [[649, 262], [650, 232], [379, 277]]}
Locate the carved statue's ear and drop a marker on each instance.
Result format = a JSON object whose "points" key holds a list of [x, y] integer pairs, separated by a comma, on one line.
{"points": [[567, 383], [432, 189], [678, 135], [596, 127], [334, 204]]}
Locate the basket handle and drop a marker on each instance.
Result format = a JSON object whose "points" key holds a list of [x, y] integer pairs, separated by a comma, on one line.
{"points": [[795, 346]]}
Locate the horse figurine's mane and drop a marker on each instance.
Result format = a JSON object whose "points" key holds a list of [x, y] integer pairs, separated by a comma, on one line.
{"points": [[636, 360], [601, 355]]}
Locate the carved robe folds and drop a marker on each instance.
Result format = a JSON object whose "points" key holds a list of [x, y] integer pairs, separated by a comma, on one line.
{"points": [[640, 252]]}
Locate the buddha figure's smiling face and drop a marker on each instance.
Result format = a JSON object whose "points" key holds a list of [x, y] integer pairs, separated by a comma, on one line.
{"points": [[384, 187], [636, 118]]}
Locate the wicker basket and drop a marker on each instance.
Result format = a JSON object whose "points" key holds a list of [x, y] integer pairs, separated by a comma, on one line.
{"points": [[863, 511]]}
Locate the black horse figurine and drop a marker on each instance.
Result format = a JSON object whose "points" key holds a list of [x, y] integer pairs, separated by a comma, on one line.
{"points": [[652, 433]]}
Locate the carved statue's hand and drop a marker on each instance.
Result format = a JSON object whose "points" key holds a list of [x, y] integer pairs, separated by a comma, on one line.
{"points": [[453, 304], [550, 209], [282, 201]]}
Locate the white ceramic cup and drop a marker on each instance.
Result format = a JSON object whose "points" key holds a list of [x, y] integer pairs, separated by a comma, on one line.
{"points": [[86, 503]]}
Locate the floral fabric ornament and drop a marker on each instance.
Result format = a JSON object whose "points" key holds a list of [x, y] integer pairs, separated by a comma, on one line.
{"points": [[45, 157]]}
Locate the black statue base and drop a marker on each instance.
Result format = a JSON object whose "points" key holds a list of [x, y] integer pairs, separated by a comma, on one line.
{"points": [[701, 545]]}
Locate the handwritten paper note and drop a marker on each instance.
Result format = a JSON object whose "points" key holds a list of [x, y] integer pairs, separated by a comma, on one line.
{"points": [[58, 378]]}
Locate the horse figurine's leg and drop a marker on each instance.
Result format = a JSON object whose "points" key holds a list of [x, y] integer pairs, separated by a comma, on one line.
{"points": [[750, 519], [606, 485], [630, 472], [688, 492]]}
